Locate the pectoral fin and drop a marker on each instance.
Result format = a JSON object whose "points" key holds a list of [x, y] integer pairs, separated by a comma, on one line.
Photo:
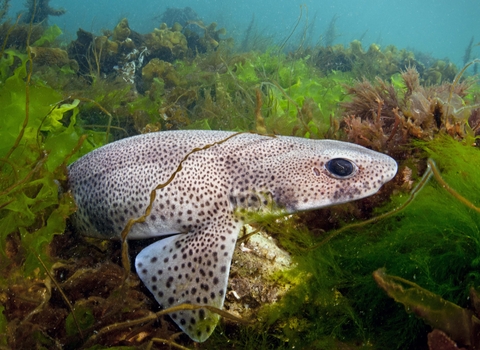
{"points": [[190, 268]]}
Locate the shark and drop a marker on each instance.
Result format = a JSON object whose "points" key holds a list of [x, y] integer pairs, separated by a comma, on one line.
{"points": [[195, 189]]}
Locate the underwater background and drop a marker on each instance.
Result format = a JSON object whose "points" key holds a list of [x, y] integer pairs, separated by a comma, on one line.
{"points": [[398, 270], [437, 27]]}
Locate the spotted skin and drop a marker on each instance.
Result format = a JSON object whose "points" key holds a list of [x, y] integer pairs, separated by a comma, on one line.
{"points": [[207, 202]]}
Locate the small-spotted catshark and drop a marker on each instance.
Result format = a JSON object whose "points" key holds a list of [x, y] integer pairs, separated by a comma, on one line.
{"points": [[203, 207]]}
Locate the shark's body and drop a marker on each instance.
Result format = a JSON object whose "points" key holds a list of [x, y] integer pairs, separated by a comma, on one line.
{"points": [[206, 202]]}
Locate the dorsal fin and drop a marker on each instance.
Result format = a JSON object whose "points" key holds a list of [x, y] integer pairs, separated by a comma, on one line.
{"points": [[190, 268]]}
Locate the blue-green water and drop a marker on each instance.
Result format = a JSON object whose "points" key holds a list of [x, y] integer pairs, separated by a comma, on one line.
{"points": [[439, 27]]}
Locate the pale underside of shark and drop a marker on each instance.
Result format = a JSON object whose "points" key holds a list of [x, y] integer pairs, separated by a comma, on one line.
{"points": [[208, 201]]}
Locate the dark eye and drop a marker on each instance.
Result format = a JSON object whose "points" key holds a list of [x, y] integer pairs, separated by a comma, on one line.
{"points": [[340, 167]]}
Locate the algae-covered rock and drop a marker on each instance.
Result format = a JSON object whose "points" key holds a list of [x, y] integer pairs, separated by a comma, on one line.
{"points": [[49, 56], [365, 64], [166, 44], [94, 55], [177, 27], [440, 72], [356, 48], [103, 44], [182, 16], [157, 68], [211, 37], [121, 31], [254, 264]]}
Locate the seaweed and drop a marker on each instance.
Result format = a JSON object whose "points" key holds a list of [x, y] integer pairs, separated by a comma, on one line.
{"points": [[388, 116], [38, 11], [248, 32], [461, 325], [331, 32], [255, 39], [37, 143], [16, 35], [433, 241], [32, 160], [296, 100], [56, 288], [369, 64], [174, 15]]}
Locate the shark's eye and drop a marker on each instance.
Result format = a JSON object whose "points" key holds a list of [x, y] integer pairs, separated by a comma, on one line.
{"points": [[340, 168]]}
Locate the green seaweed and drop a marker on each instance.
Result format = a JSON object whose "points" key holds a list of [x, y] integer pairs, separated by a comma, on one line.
{"points": [[462, 325], [35, 148], [40, 136], [434, 241], [298, 99], [48, 36], [85, 318], [307, 105]]}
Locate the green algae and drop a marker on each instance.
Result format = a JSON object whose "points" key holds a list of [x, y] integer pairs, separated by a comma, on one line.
{"points": [[40, 136], [34, 151], [460, 325], [85, 319], [296, 99], [48, 36], [434, 241]]}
